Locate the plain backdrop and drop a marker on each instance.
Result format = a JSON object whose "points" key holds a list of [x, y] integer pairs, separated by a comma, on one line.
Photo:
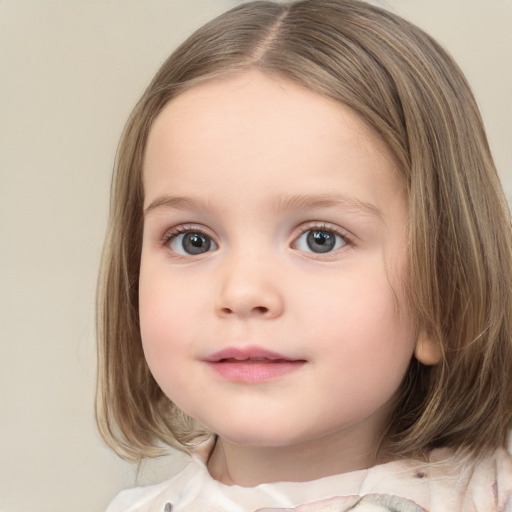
{"points": [[70, 72]]}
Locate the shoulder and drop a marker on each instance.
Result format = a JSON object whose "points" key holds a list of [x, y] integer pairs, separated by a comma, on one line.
{"points": [[154, 498], [503, 464], [137, 499], [151, 498], [446, 482], [475, 485]]}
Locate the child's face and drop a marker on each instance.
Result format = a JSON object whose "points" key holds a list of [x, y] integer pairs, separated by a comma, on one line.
{"points": [[273, 259]]}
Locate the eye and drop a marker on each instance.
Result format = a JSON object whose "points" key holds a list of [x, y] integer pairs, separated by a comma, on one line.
{"points": [[320, 241], [190, 243]]}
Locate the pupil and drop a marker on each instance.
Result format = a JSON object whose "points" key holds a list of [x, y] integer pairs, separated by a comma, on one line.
{"points": [[321, 241], [196, 243]]}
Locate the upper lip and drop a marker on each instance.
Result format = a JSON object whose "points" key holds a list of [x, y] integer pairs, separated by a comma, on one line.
{"points": [[247, 353]]}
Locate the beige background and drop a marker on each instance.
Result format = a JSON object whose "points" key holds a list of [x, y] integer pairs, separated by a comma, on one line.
{"points": [[69, 74]]}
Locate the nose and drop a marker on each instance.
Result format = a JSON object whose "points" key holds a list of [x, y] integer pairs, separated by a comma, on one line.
{"points": [[248, 289]]}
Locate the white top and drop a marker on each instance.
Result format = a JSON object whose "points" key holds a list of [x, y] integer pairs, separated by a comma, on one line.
{"points": [[442, 485]]}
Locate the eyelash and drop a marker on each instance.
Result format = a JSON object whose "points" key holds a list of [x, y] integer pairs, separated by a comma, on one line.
{"points": [[169, 236], [181, 230]]}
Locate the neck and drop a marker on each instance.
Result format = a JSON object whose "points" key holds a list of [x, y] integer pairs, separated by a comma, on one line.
{"points": [[248, 466]]}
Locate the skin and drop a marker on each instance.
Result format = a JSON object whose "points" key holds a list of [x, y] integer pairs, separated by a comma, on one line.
{"points": [[252, 161]]}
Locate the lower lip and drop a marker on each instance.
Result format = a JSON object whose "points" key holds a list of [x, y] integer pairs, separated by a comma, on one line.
{"points": [[253, 373]]}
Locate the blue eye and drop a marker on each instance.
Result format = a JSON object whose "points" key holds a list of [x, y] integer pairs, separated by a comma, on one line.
{"points": [[191, 243], [319, 241]]}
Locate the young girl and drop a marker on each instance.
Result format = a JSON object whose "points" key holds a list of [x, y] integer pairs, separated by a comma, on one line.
{"points": [[307, 277]]}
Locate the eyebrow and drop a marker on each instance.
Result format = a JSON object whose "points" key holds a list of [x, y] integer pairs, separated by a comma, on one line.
{"points": [[285, 203], [312, 201], [177, 202]]}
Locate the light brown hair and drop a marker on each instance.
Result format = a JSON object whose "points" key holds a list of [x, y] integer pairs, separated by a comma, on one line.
{"points": [[459, 282]]}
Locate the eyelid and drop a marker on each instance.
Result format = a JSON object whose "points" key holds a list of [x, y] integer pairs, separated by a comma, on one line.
{"points": [[327, 226]]}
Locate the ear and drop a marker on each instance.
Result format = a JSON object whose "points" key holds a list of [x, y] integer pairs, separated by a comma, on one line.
{"points": [[427, 351]]}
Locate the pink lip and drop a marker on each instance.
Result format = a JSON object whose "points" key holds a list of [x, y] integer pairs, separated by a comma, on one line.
{"points": [[252, 364], [246, 353]]}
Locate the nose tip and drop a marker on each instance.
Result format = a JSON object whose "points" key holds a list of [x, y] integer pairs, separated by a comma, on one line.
{"points": [[253, 298]]}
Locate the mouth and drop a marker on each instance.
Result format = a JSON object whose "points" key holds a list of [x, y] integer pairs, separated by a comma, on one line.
{"points": [[252, 365]]}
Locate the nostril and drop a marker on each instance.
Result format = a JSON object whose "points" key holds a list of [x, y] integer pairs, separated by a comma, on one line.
{"points": [[257, 310], [260, 309]]}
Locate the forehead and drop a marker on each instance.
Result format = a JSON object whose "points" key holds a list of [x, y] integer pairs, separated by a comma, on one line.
{"points": [[237, 98], [254, 128]]}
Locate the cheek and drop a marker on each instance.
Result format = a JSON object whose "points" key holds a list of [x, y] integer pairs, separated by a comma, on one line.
{"points": [[166, 330], [155, 315], [365, 326], [371, 351], [165, 316]]}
